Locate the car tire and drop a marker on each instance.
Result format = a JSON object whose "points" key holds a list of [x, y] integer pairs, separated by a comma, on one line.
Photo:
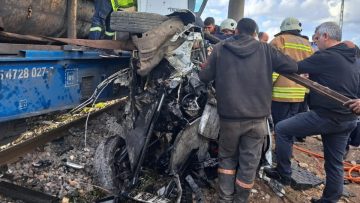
{"points": [[109, 173], [139, 22]]}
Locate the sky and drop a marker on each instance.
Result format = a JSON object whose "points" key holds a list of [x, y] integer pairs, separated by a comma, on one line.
{"points": [[311, 13]]}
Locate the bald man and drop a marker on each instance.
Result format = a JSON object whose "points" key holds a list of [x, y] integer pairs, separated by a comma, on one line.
{"points": [[263, 37]]}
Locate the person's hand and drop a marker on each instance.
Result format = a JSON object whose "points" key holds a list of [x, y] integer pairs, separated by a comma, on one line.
{"points": [[354, 105]]}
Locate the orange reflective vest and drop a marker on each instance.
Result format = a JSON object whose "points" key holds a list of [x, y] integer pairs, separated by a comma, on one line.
{"points": [[298, 48]]}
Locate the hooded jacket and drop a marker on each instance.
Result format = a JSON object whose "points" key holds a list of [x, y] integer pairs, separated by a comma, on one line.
{"points": [[242, 69], [336, 68]]}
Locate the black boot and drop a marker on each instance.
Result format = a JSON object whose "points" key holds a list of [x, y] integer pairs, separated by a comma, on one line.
{"points": [[241, 194], [226, 188], [275, 174]]}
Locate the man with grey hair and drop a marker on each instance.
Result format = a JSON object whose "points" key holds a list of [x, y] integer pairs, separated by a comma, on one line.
{"points": [[333, 66]]}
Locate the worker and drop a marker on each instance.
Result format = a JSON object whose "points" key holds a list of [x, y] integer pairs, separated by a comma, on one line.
{"points": [[288, 95], [243, 104], [227, 28], [210, 26], [333, 66], [100, 26], [263, 37]]}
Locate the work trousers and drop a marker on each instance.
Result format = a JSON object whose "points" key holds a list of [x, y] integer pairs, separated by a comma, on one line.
{"points": [[334, 134], [101, 20], [283, 110], [240, 145]]}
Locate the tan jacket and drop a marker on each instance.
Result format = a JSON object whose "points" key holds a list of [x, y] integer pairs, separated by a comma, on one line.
{"points": [[298, 48]]}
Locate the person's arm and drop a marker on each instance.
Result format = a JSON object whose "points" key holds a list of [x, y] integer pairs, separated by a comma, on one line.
{"points": [[282, 63], [208, 74], [313, 64]]}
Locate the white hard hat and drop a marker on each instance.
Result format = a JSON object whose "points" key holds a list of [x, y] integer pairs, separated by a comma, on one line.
{"points": [[229, 24], [290, 24]]}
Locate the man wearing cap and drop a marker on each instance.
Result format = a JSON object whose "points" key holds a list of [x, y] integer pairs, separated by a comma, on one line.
{"points": [[287, 95]]}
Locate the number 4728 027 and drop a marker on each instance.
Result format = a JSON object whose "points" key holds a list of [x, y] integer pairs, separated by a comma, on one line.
{"points": [[24, 73]]}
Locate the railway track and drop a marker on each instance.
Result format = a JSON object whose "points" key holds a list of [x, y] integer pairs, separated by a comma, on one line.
{"points": [[14, 151]]}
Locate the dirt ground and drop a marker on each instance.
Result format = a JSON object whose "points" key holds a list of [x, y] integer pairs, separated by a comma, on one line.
{"points": [[45, 179], [314, 165]]}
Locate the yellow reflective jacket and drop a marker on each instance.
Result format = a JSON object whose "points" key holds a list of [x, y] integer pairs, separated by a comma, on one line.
{"points": [[298, 48], [117, 4]]}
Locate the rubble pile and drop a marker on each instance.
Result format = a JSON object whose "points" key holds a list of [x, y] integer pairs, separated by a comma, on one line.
{"points": [[64, 168]]}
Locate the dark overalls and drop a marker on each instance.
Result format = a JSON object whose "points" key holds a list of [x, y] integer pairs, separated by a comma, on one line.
{"points": [[100, 26]]}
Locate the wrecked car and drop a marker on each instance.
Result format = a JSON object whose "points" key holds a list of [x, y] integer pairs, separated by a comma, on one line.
{"points": [[170, 124]]}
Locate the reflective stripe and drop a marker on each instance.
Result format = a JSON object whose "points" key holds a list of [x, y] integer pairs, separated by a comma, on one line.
{"points": [[116, 4], [289, 89], [109, 33], [287, 96], [275, 76], [226, 171], [92, 29], [301, 47], [289, 92], [244, 185]]}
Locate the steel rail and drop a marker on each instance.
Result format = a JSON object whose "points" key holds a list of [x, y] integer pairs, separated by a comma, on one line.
{"points": [[22, 148]]}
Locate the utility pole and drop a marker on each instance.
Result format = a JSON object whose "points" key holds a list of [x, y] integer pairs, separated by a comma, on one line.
{"points": [[341, 15], [236, 9]]}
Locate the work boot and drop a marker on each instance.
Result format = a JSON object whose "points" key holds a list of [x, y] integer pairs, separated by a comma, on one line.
{"points": [[226, 188], [275, 174], [241, 194]]}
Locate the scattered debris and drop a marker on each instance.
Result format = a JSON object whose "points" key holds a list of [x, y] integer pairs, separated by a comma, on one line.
{"points": [[42, 164], [74, 165], [199, 196], [303, 179]]}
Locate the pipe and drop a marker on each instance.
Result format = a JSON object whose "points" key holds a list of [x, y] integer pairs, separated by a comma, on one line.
{"points": [[236, 9], [71, 18]]}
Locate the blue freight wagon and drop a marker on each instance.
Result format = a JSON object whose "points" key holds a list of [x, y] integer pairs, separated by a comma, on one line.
{"points": [[35, 82]]}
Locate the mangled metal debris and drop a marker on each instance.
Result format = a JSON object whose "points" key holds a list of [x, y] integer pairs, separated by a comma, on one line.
{"points": [[73, 165], [161, 122]]}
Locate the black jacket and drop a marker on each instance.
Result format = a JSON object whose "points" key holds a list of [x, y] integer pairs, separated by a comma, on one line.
{"points": [[337, 69], [242, 69]]}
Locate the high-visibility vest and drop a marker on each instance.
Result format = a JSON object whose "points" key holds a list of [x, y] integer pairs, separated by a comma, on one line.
{"points": [[298, 48], [117, 4]]}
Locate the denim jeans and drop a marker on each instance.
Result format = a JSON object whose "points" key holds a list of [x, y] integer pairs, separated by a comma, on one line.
{"points": [[354, 139], [334, 134], [101, 18]]}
